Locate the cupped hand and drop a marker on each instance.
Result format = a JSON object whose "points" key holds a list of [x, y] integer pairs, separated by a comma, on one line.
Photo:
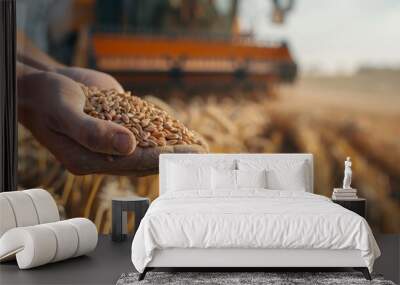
{"points": [[91, 77], [51, 105]]}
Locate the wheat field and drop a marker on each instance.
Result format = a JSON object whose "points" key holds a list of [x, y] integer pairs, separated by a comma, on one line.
{"points": [[329, 117]]}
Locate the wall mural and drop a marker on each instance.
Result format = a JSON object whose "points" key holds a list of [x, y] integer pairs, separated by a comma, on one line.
{"points": [[235, 91]]}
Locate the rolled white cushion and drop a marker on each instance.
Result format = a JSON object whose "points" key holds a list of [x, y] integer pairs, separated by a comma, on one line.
{"points": [[45, 205], [23, 208], [66, 238], [33, 246], [87, 235], [26, 208], [45, 243], [7, 218]]}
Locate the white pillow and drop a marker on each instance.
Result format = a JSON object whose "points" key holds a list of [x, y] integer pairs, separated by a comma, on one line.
{"points": [[290, 179], [182, 177], [284, 174], [202, 161], [223, 179], [251, 178]]}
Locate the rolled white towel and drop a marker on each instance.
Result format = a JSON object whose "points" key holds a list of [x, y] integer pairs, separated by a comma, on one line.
{"points": [[40, 244]]}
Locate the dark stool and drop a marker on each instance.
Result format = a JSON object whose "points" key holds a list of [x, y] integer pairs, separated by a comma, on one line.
{"points": [[120, 208]]}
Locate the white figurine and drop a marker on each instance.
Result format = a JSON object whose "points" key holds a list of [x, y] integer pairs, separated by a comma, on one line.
{"points": [[347, 174]]}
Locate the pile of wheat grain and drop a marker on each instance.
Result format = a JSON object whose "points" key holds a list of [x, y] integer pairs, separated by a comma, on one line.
{"points": [[151, 126]]}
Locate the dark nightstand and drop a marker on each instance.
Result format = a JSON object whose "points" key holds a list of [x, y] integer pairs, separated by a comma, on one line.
{"points": [[120, 207], [358, 206]]}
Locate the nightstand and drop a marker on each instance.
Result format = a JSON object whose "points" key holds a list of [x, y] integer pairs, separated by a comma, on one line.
{"points": [[120, 208], [358, 205]]}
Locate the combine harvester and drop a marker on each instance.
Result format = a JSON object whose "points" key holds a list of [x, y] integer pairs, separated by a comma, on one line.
{"points": [[190, 45]]}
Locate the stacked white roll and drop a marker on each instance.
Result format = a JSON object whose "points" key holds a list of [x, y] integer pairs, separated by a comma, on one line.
{"points": [[26, 208], [31, 232], [7, 218], [46, 243]]}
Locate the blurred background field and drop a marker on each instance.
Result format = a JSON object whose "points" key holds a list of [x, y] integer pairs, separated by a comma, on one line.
{"points": [[275, 98]]}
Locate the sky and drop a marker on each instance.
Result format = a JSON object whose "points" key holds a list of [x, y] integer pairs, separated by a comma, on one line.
{"points": [[332, 36]]}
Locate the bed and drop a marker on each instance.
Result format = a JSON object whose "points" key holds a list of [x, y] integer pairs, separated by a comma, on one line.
{"points": [[246, 211]]}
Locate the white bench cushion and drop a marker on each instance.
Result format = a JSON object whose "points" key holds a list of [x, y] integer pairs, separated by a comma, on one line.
{"points": [[31, 230], [40, 244], [26, 208]]}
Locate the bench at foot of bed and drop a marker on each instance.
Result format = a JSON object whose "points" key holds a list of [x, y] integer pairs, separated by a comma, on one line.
{"points": [[363, 270]]}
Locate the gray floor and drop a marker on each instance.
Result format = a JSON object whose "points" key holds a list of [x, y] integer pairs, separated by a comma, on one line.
{"points": [[389, 262], [110, 260], [102, 266]]}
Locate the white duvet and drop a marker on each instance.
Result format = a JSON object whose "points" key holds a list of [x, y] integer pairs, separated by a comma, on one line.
{"points": [[250, 219]]}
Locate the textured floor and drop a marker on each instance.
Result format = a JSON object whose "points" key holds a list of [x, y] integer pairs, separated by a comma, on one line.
{"points": [[110, 259], [228, 278]]}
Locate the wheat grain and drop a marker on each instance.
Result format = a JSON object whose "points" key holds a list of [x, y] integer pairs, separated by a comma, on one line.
{"points": [[151, 125]]}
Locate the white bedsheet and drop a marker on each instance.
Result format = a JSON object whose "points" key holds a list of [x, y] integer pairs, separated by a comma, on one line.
{"points": [[250, 219]]}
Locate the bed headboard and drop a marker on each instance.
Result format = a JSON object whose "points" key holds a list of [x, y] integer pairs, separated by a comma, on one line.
{"points": [[209, 158]]}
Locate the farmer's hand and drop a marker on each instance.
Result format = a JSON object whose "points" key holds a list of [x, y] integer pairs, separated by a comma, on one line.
{"points": [[90, 77], [51, 105]]}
